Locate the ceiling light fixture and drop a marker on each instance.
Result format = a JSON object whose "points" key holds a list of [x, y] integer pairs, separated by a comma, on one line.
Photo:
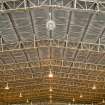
{"points": [[73, 99], [92, 103], [50, 96], [50, 74], [81, 96], [27, 101], [103, 101], [69, 103], [7, 87], [31, 103], [20, 95], [50, 25], [94, 87], [50, 101], [50, 89]]}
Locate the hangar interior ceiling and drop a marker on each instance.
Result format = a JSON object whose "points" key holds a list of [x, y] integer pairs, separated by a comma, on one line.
{"points": [[73, 52]]}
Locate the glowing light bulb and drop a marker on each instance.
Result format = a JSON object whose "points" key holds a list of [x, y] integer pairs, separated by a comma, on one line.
{"points": [[20, 95], [50, 75], [7, 87]]}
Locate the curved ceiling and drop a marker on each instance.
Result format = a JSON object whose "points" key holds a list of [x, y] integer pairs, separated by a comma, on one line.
{"points": [[74, 52]]}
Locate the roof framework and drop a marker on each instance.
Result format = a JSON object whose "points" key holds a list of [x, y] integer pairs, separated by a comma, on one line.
{"points": [[74, 51]]}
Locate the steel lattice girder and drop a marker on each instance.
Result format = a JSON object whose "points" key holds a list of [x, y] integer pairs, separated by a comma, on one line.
{"points": [[91, 5], [74, 51]]}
